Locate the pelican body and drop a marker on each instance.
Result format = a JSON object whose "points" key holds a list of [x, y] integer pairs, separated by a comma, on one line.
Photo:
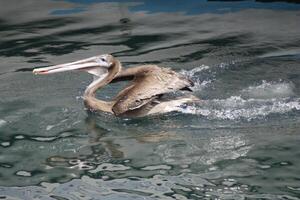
{"points": [[143, 96]]}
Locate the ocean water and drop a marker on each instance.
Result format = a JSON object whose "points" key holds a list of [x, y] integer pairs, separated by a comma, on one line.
{"points": [[240, 142]]}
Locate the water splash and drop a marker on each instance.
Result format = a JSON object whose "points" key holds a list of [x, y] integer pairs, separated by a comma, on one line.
{"points": [[235, 107], [194, 71], [268, 90], [256, 101], [193, 74]]}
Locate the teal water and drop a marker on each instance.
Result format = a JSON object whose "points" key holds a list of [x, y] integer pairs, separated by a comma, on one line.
{"points": [[241, 142]]}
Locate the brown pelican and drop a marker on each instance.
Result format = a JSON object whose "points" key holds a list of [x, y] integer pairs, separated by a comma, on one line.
{"points": [[143, 96]]}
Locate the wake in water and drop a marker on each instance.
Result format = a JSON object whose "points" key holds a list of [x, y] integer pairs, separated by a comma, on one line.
{"points": [[269, 90], [236, 107], [257, 101]]}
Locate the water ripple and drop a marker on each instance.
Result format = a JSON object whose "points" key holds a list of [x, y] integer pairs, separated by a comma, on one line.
{"points": [[240, 142]]}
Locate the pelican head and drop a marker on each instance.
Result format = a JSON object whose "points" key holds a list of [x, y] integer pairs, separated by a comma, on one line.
{"points": [[97, 65]]}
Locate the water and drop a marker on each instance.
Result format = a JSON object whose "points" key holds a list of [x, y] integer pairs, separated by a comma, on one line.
{"points": [[241, 142]]}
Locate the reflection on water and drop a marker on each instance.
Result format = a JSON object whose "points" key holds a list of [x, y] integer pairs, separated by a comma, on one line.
{"points": [[239, 142]]}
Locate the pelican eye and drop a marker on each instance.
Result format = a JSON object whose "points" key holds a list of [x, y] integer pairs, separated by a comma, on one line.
{"points": [[102, 59]]}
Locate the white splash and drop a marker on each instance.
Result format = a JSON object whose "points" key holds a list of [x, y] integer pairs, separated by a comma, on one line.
{"points": [[236, 107], [192, 72], [256, 101], [198, 84], [268, 90]]}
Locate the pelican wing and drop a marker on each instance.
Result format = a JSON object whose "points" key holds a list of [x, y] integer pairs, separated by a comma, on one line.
{"points": [[147, 86]]}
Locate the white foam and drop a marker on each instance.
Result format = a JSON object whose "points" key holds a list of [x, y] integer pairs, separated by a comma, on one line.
{"points": [[236, 107], [256, 101], [268, 90]]}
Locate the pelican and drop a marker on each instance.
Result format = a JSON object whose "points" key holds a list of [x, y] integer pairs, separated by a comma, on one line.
{"points": [[143, 96]]}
